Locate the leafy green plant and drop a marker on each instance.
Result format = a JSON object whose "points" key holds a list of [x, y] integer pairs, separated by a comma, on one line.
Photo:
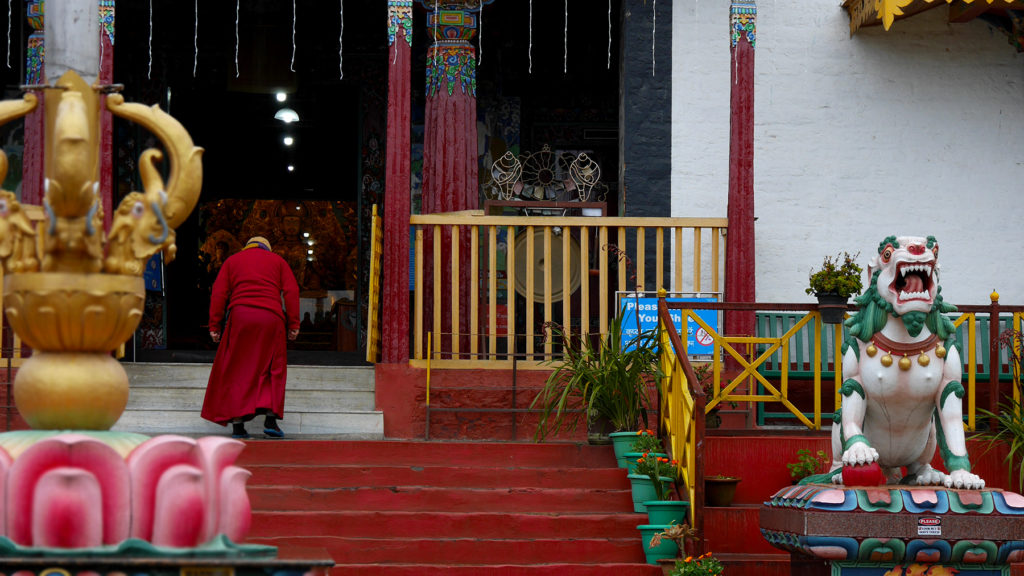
{"points": [[1009, 422], [703, 565], [840, 275], [598, 377], [807, 464], [657, 468], [706, 380], [646, 441]]}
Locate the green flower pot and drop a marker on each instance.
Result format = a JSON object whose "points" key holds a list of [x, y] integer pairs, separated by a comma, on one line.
{"points": [[666, 511], [622, 442], [643, 490], [667, 548], [630, 459]]}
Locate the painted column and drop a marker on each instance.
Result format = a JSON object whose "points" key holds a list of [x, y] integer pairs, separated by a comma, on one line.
{"points": [[32, 165], [449, 145], [398, 185], [106, 70], [69, 39], [739, 252]]}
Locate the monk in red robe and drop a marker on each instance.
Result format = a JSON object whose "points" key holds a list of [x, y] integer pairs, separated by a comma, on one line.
{"points": [[251, 366]]}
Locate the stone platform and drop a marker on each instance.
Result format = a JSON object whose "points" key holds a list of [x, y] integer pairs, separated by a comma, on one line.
{"points": [[898, 530]]}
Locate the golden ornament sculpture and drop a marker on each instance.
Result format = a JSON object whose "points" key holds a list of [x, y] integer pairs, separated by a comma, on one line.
{"points": [[904, 363], [923, 359], [69, 292], [871, 350], [940, 351], [886, 360]]}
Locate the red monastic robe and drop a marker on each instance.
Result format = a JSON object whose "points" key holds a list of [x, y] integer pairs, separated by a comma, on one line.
{"points": [[250, 369]]}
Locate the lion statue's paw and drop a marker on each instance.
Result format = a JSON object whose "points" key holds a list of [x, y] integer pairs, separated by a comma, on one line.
{"points": [[859, 453], [928, 476], [964, 479]]}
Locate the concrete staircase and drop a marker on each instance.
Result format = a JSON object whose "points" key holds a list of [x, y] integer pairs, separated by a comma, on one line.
{"points": [[401, 508], [326, 401]]}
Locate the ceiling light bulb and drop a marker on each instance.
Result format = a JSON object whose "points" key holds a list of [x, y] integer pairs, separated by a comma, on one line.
{"points": [[291, 168], [288, 140], [281, 96], [286, 115]]}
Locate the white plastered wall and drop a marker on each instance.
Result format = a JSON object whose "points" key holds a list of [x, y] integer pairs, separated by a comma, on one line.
{"points": [[914, 131]]}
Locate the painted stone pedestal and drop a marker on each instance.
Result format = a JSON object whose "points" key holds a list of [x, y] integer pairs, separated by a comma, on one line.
{"points": [[898, 530]]}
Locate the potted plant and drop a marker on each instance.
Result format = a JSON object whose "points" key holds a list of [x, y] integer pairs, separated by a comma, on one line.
{"points": [[706, 381], [837, 280], [1009, 428], [807, 464], [652, 480], [599, 379], [720, 489], [644, 442], [703, 565]]}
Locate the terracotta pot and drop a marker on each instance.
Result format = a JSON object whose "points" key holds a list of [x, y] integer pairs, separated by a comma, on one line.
{"points": [[720, 490]]}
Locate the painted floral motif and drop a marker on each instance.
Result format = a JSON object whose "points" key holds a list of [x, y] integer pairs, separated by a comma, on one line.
{"points": [[450, 65], [743, 22], [107, 18], [399, 16]]}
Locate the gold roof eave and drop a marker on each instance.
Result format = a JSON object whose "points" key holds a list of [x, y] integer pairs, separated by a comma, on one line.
{"points": [[885, 12]]}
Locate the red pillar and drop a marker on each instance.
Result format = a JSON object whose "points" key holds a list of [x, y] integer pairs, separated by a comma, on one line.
{"points": [[739, 253], [450, 148], [397, 202], [106, 77]]}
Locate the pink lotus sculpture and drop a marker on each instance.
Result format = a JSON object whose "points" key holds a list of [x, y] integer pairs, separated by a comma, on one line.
{"points": [[87, 490]]}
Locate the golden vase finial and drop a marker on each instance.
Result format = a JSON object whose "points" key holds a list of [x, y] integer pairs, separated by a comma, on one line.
{"points": [[82, 295]]}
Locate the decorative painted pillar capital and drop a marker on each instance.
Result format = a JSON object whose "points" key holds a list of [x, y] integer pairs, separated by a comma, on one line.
{"points": [[743, 21], [399, 20], [451, 59]]}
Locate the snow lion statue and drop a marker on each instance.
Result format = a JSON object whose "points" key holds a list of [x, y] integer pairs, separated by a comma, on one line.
{"points": [[902, 395]]}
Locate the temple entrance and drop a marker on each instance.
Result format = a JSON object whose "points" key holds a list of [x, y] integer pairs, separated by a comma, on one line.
{"points": [[293, 140]]}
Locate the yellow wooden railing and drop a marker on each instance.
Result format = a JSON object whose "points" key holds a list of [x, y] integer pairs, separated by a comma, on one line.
{"points": [[750, 354], [682, 410], [466, 327], [373, 305]]}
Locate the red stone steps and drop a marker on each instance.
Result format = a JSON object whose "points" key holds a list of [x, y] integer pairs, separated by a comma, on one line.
{"points": [[394, 508], [434, 551], [485, 525], [338, 476], [607, 569], [406, 498]]}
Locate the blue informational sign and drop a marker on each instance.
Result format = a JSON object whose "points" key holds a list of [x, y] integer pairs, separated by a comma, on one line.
{"points": [[698, 341]]}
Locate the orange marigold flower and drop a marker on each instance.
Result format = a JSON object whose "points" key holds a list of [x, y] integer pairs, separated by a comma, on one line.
{"points": [[688, 559], [639, 432], [662, 459], [675, 463]]}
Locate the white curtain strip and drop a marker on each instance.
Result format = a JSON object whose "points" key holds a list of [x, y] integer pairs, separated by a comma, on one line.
{"points": [[149, 69], [341, 35], [195, 59], [294, 17], [238, 6]]}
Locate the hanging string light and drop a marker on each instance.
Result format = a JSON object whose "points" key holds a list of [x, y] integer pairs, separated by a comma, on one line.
{"points": [[437, 17], [294, 18], [195, 59], [609, 34], [530, 53], [341, 10], [238, 4], [480, 37], [565, 38], [149, 69], [8, 33], [654, 30]]}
